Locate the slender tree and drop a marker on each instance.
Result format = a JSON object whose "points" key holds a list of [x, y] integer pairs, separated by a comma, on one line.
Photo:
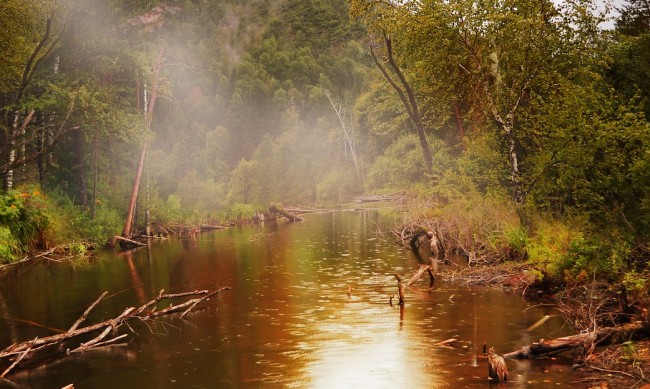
{"points": [[151, 102]]}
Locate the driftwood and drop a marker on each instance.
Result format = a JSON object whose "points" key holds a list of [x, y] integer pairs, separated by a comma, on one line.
{"points": [[378, 198], [23, 351], [125, 241], [302, 210], [281, 211], [446, 343], [601, 337], [208, 227]]}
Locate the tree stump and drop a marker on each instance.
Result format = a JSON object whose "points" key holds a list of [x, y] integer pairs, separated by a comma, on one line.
{"points": [[497, 369]]}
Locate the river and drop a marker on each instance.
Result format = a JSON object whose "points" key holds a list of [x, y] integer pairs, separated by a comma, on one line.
{"points": [[288, 321]]}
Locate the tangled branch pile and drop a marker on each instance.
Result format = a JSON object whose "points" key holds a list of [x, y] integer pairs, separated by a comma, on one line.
{"points": [[17, 354]]}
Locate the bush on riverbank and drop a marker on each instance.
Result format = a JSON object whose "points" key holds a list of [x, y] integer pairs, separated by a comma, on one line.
{"points": [[31, 221], [486, 229], [24, 223]]}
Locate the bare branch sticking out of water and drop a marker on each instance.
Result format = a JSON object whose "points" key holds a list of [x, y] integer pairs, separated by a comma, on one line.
{"points": [[21, 352]]}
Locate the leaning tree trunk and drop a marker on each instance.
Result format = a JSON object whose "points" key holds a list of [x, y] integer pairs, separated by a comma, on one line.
{"points": [[126, 232], [407, 97]]}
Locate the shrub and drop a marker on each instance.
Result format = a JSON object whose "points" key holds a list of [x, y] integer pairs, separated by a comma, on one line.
{"points": [[72, 224], [402, 164], [238, 211], [10, 248], [24, 221]]}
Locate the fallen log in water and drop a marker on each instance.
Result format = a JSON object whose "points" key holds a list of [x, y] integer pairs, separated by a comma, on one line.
{"points": [[18, 353], [301, 210], [281, 211], [207, 227], [125, 242], [378, 198], [601, 337]]}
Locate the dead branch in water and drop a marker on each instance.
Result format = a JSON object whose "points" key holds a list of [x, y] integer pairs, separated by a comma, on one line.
{"points": [[418, 273], [125, 241], [281, 211], [497, 368], [24, 351], [400, 289], [587, 340]]}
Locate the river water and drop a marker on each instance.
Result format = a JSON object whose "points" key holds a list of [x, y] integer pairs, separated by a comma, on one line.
{"points": [[288, 320]]}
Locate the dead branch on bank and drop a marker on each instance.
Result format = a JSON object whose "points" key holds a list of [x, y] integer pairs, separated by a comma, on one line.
{"points": [[58, 253], [618, 365], [422, 233], [596, 305], [21, 352]]}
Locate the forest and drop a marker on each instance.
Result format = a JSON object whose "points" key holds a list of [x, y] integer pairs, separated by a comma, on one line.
{"points": [[521, 127]]}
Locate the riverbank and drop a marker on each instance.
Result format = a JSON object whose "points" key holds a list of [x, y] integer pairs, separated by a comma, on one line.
{"points": [[583, 307], [591, 280]]}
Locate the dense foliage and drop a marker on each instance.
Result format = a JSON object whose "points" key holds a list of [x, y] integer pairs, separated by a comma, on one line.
{"points": [[529, 108]]}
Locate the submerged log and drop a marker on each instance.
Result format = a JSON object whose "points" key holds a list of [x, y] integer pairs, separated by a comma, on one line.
{"points": [[601, 337], [281, 211]]}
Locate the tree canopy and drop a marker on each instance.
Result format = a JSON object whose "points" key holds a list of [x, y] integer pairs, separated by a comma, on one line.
{"points": [[314, 102]]}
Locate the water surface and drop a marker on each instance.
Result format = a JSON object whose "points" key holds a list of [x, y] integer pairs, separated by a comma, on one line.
{"points": [[288, 320]]}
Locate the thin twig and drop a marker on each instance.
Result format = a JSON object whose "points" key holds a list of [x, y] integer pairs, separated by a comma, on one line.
{"points": [[611, 371], [86, 312], [16, 362]]}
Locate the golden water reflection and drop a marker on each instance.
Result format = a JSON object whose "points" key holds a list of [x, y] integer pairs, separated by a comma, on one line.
{"points": [[363, 350], [309, 308]]}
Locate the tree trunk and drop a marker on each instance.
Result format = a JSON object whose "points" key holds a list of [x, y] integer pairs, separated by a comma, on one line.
{"points": [[40, 144], [461, 128], [147, 221], [80, 168], [126, 232], [95, 172], [407, 96], [497, 368], [348, 139], [11, 153], [515, 179]]}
